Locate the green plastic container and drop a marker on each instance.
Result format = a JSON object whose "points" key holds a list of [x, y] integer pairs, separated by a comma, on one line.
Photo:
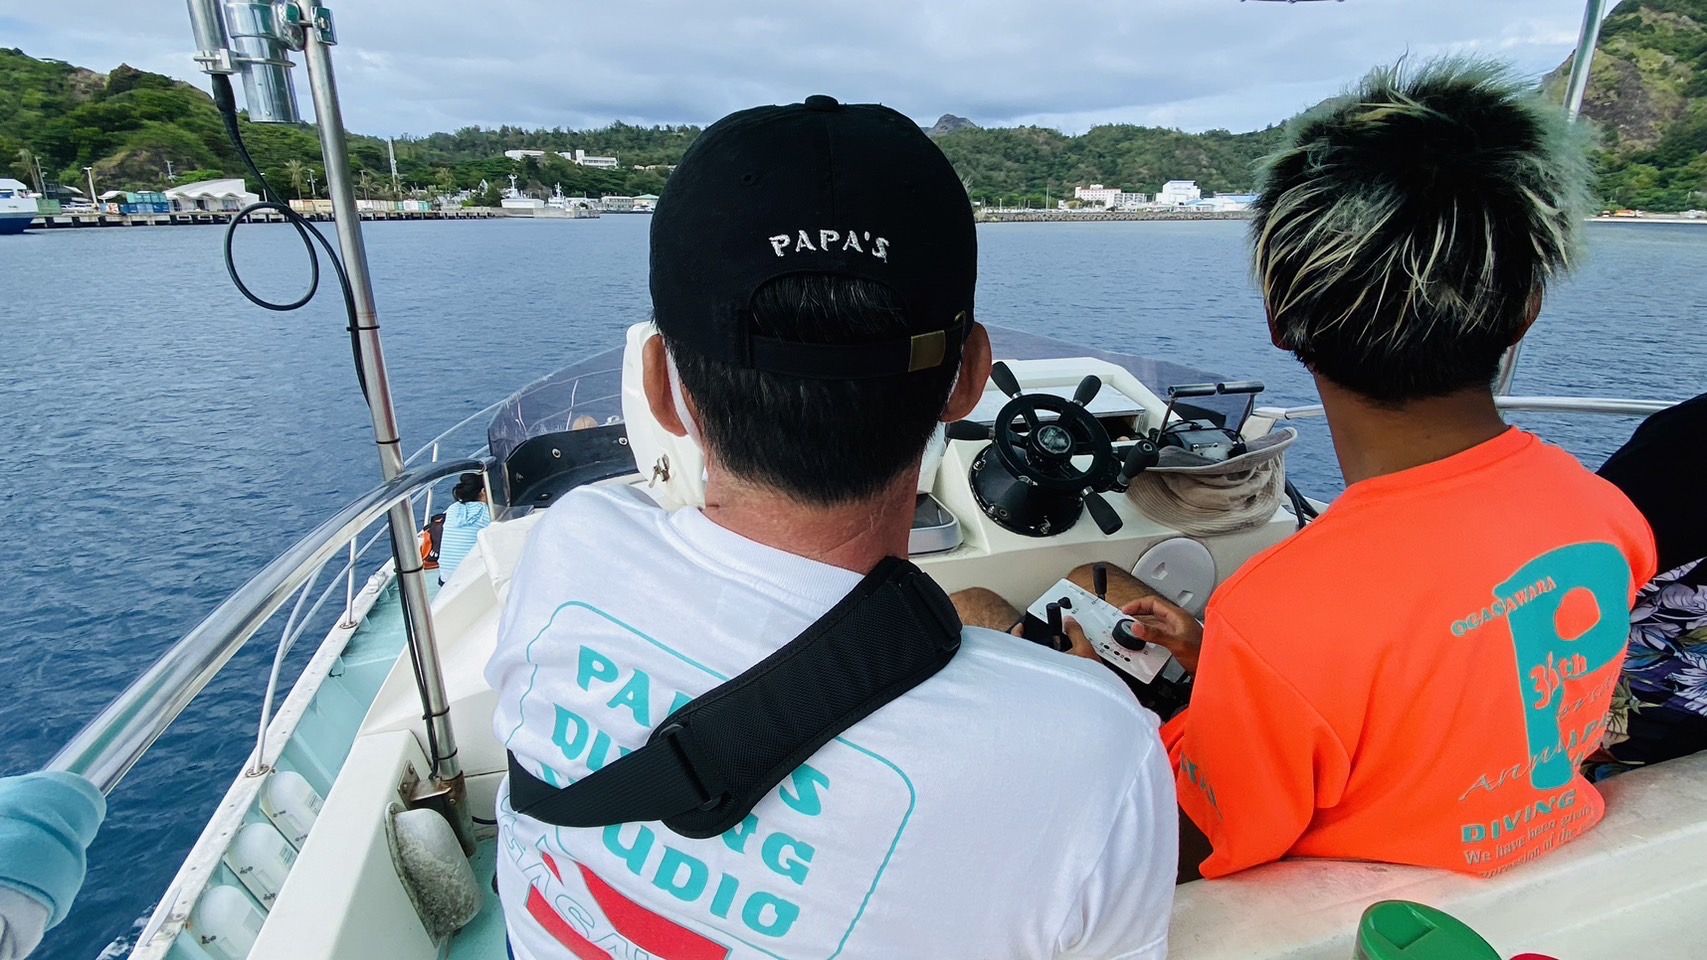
{"points": [[1402, 930]]}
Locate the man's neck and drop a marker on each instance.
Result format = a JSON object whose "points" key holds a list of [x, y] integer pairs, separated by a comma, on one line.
{"points": [[851, 536], [1373, 440]]}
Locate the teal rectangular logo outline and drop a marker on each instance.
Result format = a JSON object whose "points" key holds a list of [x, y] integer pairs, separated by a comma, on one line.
{"points": [[912, 794]]}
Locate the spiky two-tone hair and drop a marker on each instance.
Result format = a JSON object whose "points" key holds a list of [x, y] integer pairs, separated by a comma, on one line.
{"points": [[1401, 235]]}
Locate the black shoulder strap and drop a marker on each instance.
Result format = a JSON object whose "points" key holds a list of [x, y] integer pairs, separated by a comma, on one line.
{"points": [[709, 763]]}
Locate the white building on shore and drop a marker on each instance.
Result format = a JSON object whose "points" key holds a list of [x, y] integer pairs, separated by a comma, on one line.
{"points": [[577, 157], [581, 159], [1178, 193], [1226, 202], [1112, 198], [214, 195]]}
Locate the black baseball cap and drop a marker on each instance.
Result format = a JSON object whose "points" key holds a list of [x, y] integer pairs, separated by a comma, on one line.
{"points": [[851, 190]]}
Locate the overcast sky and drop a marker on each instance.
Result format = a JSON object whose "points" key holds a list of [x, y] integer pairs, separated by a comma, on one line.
{"points": [[416, 66]]}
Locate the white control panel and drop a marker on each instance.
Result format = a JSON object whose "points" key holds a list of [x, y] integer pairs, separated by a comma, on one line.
{"points": [[1097, 618]]}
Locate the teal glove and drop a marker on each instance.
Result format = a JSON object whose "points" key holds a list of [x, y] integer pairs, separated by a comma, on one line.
{"points": [[47, 821]]}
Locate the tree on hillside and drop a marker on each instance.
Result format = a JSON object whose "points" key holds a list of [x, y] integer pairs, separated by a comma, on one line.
{"points": [[297, 172], [25, 168]]}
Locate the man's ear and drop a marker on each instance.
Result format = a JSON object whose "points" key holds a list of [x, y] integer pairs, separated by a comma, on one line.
{"points": [[655, 377], [1273, 328], [974, 373], [1529, 315]]}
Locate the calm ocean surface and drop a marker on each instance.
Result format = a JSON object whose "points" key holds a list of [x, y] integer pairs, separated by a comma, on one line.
{"points": [[160, 438]]}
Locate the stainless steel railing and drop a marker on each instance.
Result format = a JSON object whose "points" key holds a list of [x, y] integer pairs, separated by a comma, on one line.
{"points": [[300, 620], [1601, 405], [105, 749], [431, 447]]}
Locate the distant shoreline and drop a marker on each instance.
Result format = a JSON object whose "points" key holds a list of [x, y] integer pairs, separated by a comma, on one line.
{"points": [[1653, 218], [54, 223]]}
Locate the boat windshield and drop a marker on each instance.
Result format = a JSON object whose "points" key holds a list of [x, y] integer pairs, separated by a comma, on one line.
{"points": [[593, 388], [1158, 375], [555, 402], [566, 428]]}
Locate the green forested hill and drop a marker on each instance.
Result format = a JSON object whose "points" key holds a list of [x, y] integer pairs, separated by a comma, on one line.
{"points": [[125, 124], [1648, 97], [1027, 161], [129, 123]]}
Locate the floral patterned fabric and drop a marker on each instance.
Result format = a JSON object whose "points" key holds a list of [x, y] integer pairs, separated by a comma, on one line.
{"points": [[1668, 642], [1660, 710]]}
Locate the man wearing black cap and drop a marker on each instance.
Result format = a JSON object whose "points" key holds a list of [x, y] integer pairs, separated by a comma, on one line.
{"points": [[812, 275]]}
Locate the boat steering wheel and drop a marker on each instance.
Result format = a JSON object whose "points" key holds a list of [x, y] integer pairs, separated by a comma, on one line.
{"points": [[1041, 452], [1026, 479]]}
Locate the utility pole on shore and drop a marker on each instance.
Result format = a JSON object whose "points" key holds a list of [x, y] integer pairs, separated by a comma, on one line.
{"points": [[170, 176], [90, 172], [311, 192]]}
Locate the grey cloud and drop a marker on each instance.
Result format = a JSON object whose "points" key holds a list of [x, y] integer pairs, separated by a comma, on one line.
{"points": [[422, 65]]}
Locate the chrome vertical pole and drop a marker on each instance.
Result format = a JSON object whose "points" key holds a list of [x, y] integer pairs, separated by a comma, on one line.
{"points": [[1583, 61], [405, 548], [349, 621], [427, 508], [1575, 89]]}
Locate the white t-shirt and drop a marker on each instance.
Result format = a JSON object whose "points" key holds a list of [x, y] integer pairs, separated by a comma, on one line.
{"points": [[1018, 804]]}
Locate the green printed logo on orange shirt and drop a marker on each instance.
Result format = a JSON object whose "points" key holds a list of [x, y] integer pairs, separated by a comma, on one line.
{"points": [[1566, 634]]}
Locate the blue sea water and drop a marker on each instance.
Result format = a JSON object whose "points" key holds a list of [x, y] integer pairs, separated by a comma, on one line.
{"points": [[160, 438]]}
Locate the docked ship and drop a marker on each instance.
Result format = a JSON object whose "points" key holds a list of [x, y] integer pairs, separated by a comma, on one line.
{"points": [[17, 207]]}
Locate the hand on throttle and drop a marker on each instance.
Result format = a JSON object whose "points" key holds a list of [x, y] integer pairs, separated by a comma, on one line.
{"points": [[1157, 621]]}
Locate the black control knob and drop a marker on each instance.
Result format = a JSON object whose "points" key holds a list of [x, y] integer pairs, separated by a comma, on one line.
{"points": [[968, 430], [1124, 636], [1087, 391], [1057, 631], [1141, 456], [1107, 520]]}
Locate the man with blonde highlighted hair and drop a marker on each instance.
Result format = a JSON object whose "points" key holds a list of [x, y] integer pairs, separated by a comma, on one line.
{"points": [[1415, 676]]}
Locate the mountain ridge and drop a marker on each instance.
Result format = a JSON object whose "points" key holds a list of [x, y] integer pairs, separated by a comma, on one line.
{"points": [[1647, 95], [949, 123]]}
